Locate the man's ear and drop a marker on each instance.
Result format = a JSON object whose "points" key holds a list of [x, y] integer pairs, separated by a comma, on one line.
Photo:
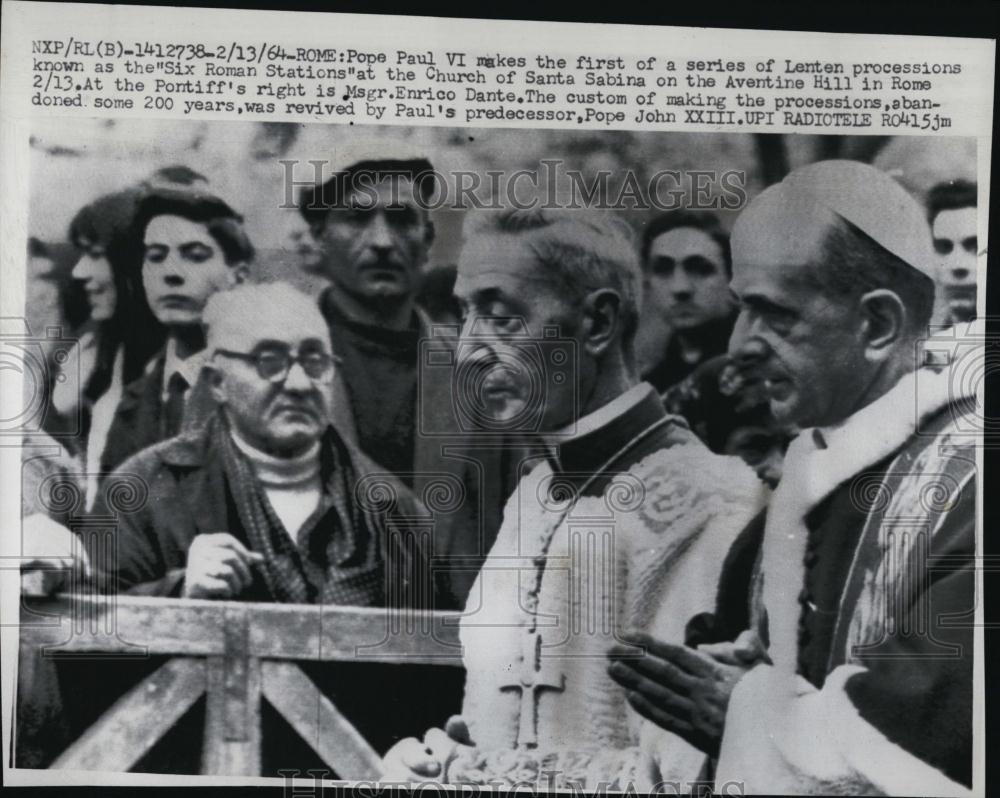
{"points": [[884, 319], [215, 378], [239, 273], [601, 320]]}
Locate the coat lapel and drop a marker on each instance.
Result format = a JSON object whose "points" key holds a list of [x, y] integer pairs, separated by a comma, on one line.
{"points": [[201, 480]]}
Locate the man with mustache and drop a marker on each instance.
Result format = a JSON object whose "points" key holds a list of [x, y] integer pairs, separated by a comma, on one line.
{"points": [[624, 524], [193, 244], [849, 603], [372, 226]]}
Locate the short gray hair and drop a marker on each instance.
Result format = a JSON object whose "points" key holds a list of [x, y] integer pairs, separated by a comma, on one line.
{"points": [[854, 264], [580, 251]]}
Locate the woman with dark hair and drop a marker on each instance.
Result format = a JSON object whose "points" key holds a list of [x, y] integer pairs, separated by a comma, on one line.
{"points": [[116, 331], [106, 311]]}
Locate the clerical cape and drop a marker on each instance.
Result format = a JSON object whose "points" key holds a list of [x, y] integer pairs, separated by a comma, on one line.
{"points": [[861, 580], [625, 526]]}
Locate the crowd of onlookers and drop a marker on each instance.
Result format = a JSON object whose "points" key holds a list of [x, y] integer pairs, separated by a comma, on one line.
{"points": [[252, 413], [113, 393]]}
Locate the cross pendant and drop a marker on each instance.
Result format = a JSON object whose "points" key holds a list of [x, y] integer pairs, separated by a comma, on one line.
{"points": [[537, 673]]}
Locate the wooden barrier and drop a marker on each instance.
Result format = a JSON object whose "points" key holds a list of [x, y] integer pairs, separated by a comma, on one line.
{"points": [[236, 653]]}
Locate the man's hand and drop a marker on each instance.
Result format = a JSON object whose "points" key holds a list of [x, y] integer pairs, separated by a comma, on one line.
{"points": [[748, 649], [683, 690], [411, 760], [218, 567], [51, 553]]}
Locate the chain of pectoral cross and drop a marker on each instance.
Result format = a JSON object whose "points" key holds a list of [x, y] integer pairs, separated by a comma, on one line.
{"points": [[538, 672], [550, 529]]}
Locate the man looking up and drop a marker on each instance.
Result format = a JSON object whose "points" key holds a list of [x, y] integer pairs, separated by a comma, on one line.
{"points": [[193, 245], [861, 586], [625, 523], [686, 266]]}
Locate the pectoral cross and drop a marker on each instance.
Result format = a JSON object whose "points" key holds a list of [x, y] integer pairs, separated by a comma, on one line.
{"points": [[536, 674]]}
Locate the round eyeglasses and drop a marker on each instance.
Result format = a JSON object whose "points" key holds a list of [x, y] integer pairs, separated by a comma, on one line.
{"points": [[274, 363]]}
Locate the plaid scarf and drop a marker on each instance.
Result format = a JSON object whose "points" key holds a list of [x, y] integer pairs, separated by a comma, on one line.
{"points": [[340, 556]]}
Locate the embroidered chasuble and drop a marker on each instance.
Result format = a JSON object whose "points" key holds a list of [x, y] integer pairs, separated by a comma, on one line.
{"points": [[625, 526]]}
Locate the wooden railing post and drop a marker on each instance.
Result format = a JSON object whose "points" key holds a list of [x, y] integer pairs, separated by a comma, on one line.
{"points": [[232, 711], [235, 652]]}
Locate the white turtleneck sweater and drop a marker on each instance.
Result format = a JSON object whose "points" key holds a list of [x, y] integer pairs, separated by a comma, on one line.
{"points": [[292, 485]]}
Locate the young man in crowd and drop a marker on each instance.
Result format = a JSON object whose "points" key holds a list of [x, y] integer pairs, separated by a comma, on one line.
{"points": [[860, 584], [624, 524], [193, 245], [686, 266], [951, 209]]}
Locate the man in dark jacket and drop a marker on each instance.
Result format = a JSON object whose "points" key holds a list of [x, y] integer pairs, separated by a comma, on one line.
{"points": [[393, 389], [264, 501], [686, 269]]}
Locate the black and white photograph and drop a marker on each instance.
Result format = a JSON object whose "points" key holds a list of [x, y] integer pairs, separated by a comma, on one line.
{"points": [[577, 457]]}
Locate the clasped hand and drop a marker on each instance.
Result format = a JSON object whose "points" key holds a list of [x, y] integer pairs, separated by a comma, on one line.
{"points": [[411, 760], [684, 690]]}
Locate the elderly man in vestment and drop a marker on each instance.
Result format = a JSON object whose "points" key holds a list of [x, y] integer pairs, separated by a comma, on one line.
{"points": [[623, 524], [848, 604]]}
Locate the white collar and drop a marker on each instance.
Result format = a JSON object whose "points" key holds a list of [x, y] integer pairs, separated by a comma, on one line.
{"points": [[816, 464], [279, 471], [604, 415], [871, 434]]}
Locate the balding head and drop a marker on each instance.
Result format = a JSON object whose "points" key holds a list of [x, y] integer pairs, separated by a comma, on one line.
{"points": [[271, 365], [761, 233], [247, 313]]}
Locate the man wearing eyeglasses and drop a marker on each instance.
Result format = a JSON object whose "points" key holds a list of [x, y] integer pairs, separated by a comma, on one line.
{"points": [[266, 502], [261, 502]]}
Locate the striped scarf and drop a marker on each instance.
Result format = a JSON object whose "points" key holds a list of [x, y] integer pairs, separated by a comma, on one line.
{"points": [[340, 557]]}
